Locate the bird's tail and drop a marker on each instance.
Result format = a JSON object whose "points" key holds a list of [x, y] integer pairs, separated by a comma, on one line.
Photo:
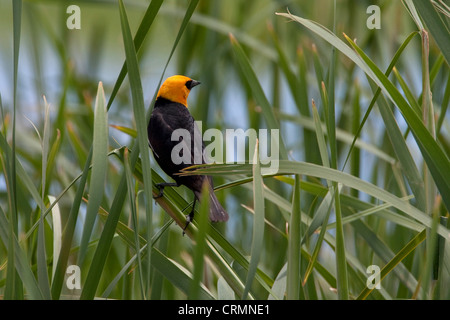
{"points": [[216, 212]]}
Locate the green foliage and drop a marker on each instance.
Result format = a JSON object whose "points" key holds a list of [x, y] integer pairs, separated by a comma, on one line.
{"points": [[363, 173]]}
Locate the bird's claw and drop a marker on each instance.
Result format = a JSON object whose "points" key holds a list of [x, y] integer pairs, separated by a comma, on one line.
{"points": [[161, 187], [189, 219], [161, 192]]}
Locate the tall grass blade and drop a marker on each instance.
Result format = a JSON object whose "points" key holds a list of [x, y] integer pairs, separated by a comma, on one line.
{"points": [[311, 153], [331, 120], [309, 169], [126, 234], [68, 233], [402, 254], [177, 274], [57, 231], [341, 135], [41, 250], [99, 168], [97, 264], [187, 16], [258, 222], [296, 85], [226, 271], [408, 94], [341, 259], [438, 28], [45, 146], [280, 284], [15, 252], [173, 203], [134, 218], [13, 285], [445, 104], [166, 267], [200, 244], [385, 253], [321, 216], [19, 259], [396, 137], [437, 161], [324, 210], [294, 246], [104, 244], [403, 153], [430, 187], [257, 90], [113, 217], [141, 33], [224, 291], [320, 137], [433, 154], [21, 174], [140, 119], [378, 92]]}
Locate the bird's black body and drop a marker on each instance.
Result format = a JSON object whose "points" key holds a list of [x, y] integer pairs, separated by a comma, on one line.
{"points": [[166, 117]]}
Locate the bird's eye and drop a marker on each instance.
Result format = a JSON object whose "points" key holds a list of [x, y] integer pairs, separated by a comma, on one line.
{"points": [[189, 84]]}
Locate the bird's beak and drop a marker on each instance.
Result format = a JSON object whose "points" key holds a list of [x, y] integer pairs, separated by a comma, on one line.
{"points": [[192, 83]]}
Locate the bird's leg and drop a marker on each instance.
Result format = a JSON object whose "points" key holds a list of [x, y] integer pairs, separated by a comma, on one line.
{"points": [[190, 216], [161, 187]]}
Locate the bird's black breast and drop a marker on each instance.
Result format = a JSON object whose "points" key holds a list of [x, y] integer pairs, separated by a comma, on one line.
{"points": [[167, 117]]}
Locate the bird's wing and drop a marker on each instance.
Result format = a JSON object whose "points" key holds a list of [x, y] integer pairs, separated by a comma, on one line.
{"points": [[173, 118]]}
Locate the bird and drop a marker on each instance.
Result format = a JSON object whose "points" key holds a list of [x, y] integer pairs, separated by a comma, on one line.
{"points": [[170, 113]]}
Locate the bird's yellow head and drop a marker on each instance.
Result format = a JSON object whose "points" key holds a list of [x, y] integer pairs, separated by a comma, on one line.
{"points": [[176, 89]]}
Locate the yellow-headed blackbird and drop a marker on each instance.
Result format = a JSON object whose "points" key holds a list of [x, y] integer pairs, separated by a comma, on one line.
{"points": [[169, 114]]}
